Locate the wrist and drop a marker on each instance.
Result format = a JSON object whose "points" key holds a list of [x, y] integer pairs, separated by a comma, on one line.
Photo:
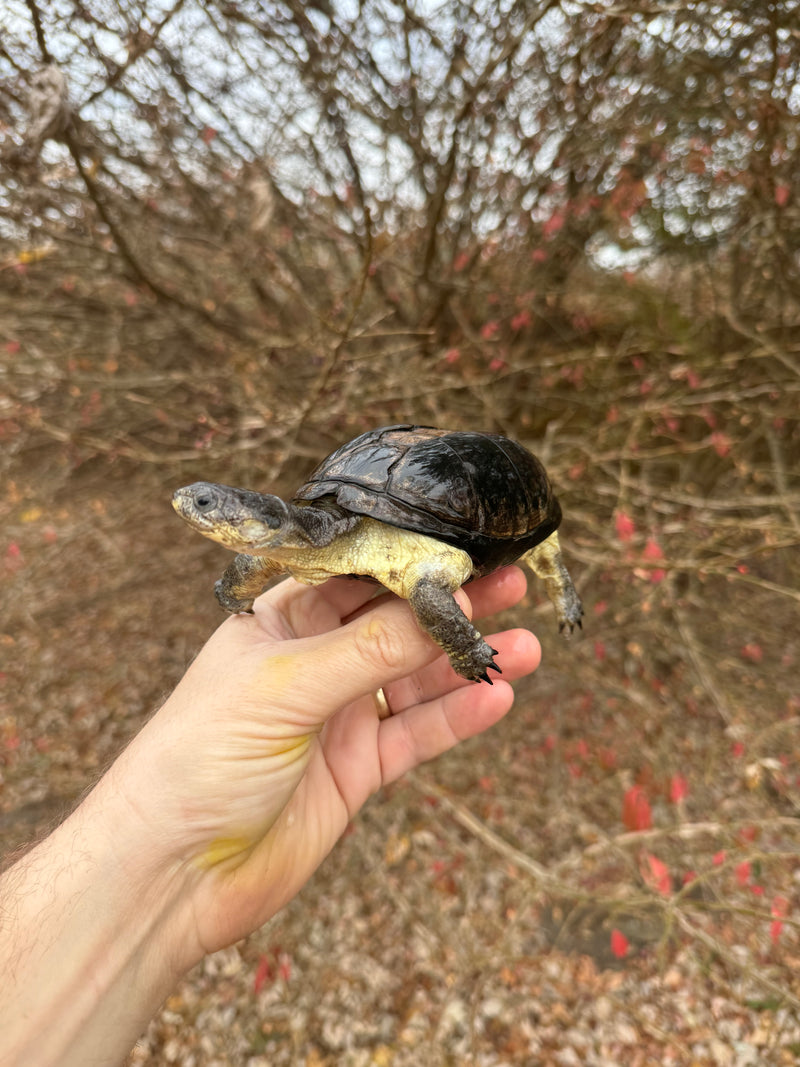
{"points": [[150, 878], [92, 937]]}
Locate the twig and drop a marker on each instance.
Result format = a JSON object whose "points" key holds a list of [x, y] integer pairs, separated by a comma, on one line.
{"points": [[698, 933], [504, 848], [713, 690], [686, 831], [781, 481]]}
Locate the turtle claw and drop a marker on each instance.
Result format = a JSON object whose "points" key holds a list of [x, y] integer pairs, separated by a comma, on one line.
{"points": [[483, 675], [570, 611], [567, 626], [475, 664]]}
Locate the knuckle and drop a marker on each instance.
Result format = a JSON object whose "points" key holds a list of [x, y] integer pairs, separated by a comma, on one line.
{"points": [[379, 642]]}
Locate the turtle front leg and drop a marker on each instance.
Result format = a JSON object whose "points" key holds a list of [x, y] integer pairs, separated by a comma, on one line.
{"points": [[243, 580], [442, 619], [546, 563]]}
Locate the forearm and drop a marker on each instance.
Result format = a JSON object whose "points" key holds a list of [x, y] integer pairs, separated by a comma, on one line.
{"points": [[91, 939]]}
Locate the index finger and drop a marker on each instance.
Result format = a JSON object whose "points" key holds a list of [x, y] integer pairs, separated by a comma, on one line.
{"points": [[310, 610]]}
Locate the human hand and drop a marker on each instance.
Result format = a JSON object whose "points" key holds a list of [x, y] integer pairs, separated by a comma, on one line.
{"points": [[253, 767]]}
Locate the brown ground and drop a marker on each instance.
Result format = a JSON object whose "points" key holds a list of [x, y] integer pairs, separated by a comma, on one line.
{"points": [[467, 917]]}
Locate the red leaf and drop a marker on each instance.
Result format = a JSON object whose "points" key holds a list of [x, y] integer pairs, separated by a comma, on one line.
{"points": [[607, 758], [452, 355], [652, 551], [779, 907], [655, 874], [678, 788], [624, 526], [208, 134], [263, 974], [520, 320], [782, 193], [753, 652], [718, 858], [721, 443], [489, 329], [551, 226], [775, 928], [14, 558], [461, 261], [636, 811], [743, 871], [620, 945]]}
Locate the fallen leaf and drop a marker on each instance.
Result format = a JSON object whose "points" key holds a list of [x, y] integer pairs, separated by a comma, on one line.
{"points": [[620, 945], [636, 811]]}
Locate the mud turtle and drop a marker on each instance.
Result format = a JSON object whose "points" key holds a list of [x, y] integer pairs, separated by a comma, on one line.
{"points": [[419, 510]]}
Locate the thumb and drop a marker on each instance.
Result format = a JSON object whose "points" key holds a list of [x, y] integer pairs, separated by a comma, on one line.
{"points": [[327, 671]]}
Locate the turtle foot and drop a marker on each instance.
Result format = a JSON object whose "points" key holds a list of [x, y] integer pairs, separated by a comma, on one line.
{"points": [[571, 611], [475, 664], [230, 603]]}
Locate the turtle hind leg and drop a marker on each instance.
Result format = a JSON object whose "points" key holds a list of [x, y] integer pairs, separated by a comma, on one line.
{"points": [[442, 619], [547, 564]]}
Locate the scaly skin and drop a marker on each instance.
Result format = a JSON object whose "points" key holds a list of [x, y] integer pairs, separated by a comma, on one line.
{"points": [[546, 563], [313, 543]]}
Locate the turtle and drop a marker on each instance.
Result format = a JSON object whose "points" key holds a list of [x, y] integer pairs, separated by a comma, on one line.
{"points": [[418, 509]]}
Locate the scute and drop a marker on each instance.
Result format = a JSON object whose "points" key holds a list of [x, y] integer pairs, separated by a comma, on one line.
{"points": [[481, 492]]}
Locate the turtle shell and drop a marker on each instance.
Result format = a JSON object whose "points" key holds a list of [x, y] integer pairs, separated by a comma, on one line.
{"points": [[480, 492]]}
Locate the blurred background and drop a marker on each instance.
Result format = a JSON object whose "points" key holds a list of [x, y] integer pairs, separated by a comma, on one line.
{"points": [[234, 235]]}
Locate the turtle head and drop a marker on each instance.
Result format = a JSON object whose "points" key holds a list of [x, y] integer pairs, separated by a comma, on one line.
{"points": [[252, 523]]}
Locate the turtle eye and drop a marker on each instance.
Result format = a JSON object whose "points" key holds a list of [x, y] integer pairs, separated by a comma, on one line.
{"points": [[204, 500]]}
